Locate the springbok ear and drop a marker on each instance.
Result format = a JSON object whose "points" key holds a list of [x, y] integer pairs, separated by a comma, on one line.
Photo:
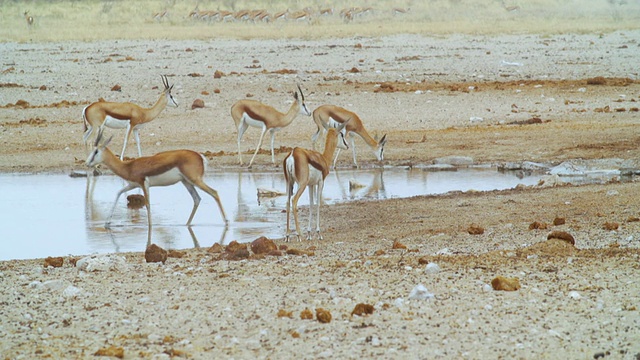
{"points": [[295, 95]]}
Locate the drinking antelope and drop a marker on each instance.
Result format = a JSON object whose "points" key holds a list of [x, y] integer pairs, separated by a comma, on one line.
{"points": [[331, 115], [125, 115], [247, 113], [309, 168], [162, 169]]}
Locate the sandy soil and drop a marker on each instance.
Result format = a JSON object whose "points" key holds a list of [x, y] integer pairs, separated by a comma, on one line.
{"points": [[578, 302]]}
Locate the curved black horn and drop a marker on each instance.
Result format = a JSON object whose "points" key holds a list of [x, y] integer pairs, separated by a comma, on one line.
{"points": [[301, 94]]}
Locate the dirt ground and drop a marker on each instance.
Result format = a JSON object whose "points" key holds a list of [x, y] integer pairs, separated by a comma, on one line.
{"points": [[497, 99]]}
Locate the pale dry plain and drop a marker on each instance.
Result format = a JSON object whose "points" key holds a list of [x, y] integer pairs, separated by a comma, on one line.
{"points": [[421, 90]]}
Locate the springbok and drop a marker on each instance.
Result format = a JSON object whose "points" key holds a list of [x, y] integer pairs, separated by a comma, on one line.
{"points": [[309, 168], [117, 115], [162, 169], [331, 115], [247, 113]]}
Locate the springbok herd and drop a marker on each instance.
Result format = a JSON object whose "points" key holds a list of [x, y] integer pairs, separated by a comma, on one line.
{"points": [[307, 168], [307, 14]]}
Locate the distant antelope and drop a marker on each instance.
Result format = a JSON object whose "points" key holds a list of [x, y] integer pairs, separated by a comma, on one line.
{"points": [[125, 115], [309, 168], [162, 169], [159, 16], [29, 19], [247, 113]]}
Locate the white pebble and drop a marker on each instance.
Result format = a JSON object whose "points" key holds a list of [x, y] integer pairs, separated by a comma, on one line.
{"points": [[420, 293], [575, 295], [432, 268]]}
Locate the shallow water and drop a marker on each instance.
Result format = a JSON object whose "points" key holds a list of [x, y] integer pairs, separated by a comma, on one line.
{"points": [[50, 215]]}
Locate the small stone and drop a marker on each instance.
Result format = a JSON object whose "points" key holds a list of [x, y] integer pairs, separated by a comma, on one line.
{"points": [[306, 314], [562, 235], [398, 245], [197, 104], [432, 268], [537, 225], [215, 249], [362, 309], [475, 229], [218, 74], [559, 221], [116, 88], [285, 313], [53, 261], [262, 245], [505, 284], [115, 351], [155, 253], [611, 226], [323, 316], [420, 292]]}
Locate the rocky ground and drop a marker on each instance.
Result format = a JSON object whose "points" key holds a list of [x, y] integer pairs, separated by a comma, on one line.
{"points": [[499, 99]]}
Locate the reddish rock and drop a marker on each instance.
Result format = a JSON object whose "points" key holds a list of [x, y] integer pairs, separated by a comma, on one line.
{"points": [[155, 253], [262, 245]]}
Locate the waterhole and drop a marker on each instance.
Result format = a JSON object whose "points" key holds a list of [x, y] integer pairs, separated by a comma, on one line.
{"points": [[54, 215]]}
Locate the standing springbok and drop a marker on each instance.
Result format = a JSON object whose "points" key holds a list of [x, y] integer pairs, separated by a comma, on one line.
{"points": [[331, 116], [125, 115], [247, 113], [309, 168], [162, 169]]}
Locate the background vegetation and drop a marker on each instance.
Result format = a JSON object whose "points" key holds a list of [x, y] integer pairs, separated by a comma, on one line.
{"points": [[56, 20]]}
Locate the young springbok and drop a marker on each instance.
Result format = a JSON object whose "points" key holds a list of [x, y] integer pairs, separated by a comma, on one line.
{"points": [[162, 169], [309, 168]]}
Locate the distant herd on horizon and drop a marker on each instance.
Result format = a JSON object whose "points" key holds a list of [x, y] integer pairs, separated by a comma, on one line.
{"points": [[307, 168]]}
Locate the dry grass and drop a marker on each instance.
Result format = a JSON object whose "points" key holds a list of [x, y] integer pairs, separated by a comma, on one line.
{"points": [[112, 19]]}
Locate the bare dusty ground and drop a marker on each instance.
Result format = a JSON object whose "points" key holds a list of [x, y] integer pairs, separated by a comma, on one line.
{"points": [[544, 99]]}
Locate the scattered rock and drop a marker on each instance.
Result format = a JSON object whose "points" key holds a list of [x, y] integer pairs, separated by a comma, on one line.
{"points": [[354, 70], [215, 249], [101, 263], [323, 316], [432, 268], [475, 229], [115, 351], [505, 284], [537, 225], [398, 245], [218, 74], [197, 104], [116, 88], [611, 226], [155, 253], [177, 254], [362, 309], [562, 235], [53, 261], [306, 314], [598, 80], [284, 313], [262, 245], [135, 201], [235, 251], [559, 221], [420, 292], [300, 252], [423, 260]]}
